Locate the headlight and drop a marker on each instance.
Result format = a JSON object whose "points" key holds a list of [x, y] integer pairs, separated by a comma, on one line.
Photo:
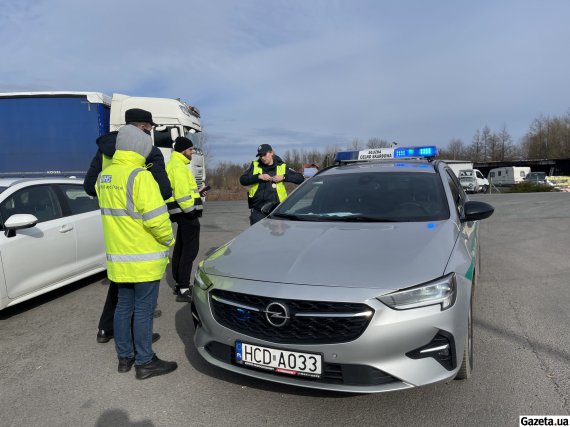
{"points": [[441, 291], [201, 278]]}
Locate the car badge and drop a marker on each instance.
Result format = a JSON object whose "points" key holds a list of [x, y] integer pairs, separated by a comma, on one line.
{"points": [[277, 314]]}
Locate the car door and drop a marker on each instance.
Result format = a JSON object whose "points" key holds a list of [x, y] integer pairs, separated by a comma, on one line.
{"points": [[83, 210], [42, 255]]}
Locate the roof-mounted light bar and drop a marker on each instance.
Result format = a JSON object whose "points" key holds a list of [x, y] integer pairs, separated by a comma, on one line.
{"points": [[408, 152], [386, 153]]}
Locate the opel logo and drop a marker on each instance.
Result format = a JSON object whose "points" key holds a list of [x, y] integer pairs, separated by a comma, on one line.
{"points": [[277, 314]]}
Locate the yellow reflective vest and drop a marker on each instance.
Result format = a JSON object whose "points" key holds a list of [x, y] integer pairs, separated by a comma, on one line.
{"points": [[185, 197], [279, 186], [136, 224]]}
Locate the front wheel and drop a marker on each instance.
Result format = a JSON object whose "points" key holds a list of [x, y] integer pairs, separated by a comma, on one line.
{"points": [[466, 369], [484, 189]]}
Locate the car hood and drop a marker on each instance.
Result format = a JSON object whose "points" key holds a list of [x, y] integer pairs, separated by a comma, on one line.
{"points": [[373, 255]]}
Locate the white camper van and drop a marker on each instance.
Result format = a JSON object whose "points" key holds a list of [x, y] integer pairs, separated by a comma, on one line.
{"points": [[508, 175]]}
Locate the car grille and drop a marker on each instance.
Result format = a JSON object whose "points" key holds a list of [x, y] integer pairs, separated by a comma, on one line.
{"points": [[308, 322], [333, 373]]}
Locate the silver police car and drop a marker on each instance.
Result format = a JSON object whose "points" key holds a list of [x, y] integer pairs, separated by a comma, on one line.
{"points": [[362, 280]]}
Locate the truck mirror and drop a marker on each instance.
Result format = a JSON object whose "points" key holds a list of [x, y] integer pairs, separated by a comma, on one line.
{"points": [[174, 133]]}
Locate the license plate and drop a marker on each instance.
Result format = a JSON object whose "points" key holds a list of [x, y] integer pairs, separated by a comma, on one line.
{"points": [[280, 361]]}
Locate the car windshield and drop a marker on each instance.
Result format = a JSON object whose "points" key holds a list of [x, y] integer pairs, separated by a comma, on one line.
{"points": [[368, 197]]}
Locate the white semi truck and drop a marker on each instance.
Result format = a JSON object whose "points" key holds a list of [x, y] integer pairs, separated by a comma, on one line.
{"points": [[54, 133]]}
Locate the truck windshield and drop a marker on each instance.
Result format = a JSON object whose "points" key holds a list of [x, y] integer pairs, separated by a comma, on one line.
{"points": [[368, 197]]}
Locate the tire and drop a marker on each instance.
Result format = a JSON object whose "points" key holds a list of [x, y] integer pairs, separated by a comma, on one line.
{"points": [[466, 369], [484, 189]]}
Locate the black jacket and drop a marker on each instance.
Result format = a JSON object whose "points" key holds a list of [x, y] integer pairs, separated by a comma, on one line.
{"points": [[265, 192], [155, 162]]}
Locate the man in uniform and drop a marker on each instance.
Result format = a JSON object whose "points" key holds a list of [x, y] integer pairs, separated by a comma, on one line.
{"points": [[185, 207], [138, 233], [266, 177]]}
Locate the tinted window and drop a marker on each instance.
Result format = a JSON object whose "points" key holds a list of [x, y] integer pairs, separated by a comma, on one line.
{"points": [[456, 192], [40, 201], [78, 200], [162, 138], [385, 196]]}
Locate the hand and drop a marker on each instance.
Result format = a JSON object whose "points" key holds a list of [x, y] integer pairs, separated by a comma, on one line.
{"points": [[264, 177], [279, 178]]}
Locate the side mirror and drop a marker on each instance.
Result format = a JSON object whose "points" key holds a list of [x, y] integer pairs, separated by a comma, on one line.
{"points": [[475, 210], [268, 207], [174, 133], [18, 222]]}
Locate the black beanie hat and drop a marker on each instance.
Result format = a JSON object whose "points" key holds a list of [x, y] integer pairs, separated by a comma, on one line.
{"points": [[182, 144]]}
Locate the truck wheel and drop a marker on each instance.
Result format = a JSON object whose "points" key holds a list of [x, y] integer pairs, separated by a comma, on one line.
{"points": [[484, 189]]}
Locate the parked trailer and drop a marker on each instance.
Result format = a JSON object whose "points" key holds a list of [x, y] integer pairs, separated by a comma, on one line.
{"points": [[54, 133], [508, 175]]}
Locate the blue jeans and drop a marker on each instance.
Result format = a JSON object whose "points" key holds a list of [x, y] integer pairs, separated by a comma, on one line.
{"points": [[137, 301]]}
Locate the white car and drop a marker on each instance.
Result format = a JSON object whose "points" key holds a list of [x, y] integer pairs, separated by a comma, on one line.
{"points": [[52, 236]]}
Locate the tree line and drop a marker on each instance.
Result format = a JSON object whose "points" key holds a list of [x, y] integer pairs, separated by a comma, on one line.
{"points": [[547, 137]]}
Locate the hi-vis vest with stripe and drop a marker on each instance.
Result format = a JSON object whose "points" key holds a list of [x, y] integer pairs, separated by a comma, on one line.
{"points": [[280, 186], [136, 224], [185, 197]]}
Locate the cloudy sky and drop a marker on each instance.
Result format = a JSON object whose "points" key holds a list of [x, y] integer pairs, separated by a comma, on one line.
{"points": [[304, 74]]}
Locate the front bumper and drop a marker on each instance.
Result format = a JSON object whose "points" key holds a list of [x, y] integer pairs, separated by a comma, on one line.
{"points": [[376, 361]]}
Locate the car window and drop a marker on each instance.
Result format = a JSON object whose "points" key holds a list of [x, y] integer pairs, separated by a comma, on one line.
{"points": [[39, 200], [77, 199], [456, 192], [368, 196]]}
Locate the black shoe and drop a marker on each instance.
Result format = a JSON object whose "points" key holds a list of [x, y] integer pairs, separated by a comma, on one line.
{"points": [[104, 336], [154, 368], [185, 296], [125, 364], [155, 337], [157, 313]]}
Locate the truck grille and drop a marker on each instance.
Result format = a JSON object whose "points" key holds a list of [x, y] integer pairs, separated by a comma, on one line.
{"points": [[290, 321]]}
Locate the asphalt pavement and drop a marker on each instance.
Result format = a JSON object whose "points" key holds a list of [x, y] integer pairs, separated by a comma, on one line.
{"points": [[53, 373]]}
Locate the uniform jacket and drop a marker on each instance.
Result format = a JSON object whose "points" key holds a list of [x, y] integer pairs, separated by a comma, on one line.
{"points": [[136, 224], [185, 200], [106, 143], [265, 192]]}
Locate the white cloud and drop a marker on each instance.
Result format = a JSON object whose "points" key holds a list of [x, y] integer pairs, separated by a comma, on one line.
{"points": [[304, 73]]}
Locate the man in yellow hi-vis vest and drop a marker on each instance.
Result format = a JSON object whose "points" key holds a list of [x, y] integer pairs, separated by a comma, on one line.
{"points": [[138, 233], [185, 207], [266, 177]]}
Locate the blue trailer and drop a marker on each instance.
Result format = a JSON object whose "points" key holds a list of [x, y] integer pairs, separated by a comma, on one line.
{"points": [[50, 133]]}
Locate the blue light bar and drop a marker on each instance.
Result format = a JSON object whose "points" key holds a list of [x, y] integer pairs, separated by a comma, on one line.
{"points": [[346, 156], [427, 151]]}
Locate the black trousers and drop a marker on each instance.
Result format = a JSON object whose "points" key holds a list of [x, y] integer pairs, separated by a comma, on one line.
{"points": [[185, 250], [108, 314], [256, 216]]}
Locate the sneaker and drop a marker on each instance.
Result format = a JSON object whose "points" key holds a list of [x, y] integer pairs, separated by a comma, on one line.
{"points": [[125, 364], [184, 296], [104, 336], [154, 368]]}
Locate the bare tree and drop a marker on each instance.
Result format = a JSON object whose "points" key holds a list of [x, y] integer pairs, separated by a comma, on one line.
{"points": [[356, 144], [377, 143]]}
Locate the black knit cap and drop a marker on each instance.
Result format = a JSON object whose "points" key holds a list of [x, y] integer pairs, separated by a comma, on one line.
{"points": [[136, 115], [182, 144]]}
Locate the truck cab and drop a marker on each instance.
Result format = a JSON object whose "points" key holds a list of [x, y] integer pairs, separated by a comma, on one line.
{"points": [[173, 117]]}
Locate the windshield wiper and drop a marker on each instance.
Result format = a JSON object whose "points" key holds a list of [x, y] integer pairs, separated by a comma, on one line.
{"points": [[289, 216], [364, 218]]}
